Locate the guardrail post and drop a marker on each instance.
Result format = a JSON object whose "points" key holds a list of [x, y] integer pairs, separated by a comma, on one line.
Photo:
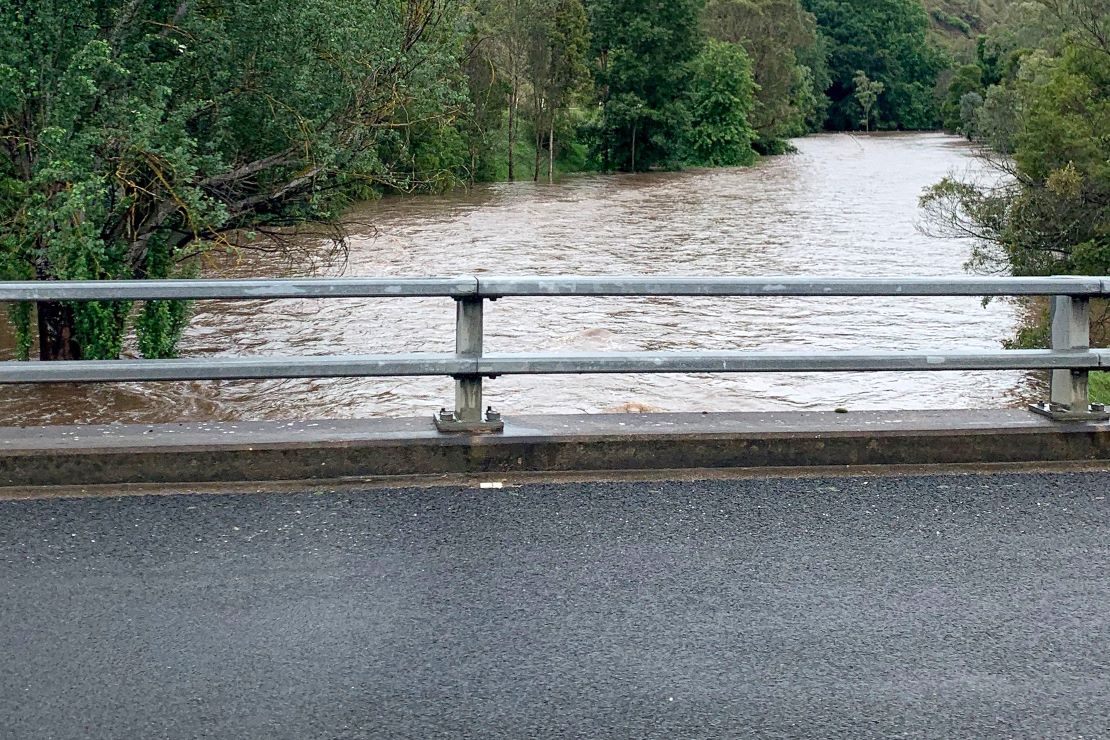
{"points": [[1069, 397], [468, 415]]}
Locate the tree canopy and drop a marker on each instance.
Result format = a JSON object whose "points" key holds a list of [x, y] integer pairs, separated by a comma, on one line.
{"points": [[136, 134], [788, 66], [644, 51], [1044, 129], [888, 41], [722, 95]]}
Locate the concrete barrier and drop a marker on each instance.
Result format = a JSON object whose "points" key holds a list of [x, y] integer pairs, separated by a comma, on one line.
{"points": [[238, 452]]}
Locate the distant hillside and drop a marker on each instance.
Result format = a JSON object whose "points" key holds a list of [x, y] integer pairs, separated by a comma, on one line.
{"points": [[956, 23]]}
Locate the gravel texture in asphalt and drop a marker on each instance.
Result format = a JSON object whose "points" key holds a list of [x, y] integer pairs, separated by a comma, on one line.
{"points": [[941, 607]]}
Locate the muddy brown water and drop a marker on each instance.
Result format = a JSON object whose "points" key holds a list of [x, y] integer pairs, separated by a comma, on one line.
{"points": [[843, 206]]}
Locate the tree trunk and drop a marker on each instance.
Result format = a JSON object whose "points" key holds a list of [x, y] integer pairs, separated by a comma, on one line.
{"points": [[512, 131], [56, 332], [539, 146], [633, 147], [551, 151]]}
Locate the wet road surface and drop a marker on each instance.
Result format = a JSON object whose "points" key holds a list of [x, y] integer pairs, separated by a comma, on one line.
{"points": [[946, 606]]}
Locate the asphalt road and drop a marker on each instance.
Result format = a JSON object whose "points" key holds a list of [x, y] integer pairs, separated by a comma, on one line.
{"points": [[939, 607]]}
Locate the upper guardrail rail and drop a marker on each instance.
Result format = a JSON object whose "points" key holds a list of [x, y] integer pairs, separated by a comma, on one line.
{"points": [[125, 290], [649, 285], [493, 287]]}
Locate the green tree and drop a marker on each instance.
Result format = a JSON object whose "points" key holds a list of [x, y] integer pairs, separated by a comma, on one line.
{"points": [[510, 26], [721, 99], [867, 94], [643, 51], [488, 95], [559, 70], [774, 33], [997, 121], [970, 106], [968, 79], [1043, 122], [813, 78], [1051, 212], [137, 134], [888, 41]]}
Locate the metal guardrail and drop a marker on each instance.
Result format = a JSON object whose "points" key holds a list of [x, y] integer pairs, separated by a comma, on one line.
{"points": [[494, 287], [128, 290], [1070, 359]]}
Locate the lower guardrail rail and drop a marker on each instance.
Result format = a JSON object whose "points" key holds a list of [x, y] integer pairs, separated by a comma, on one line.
{"points": [[1070, 359]]}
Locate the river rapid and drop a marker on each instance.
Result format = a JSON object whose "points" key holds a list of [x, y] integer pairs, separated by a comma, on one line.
{"points": [[844, 205]]}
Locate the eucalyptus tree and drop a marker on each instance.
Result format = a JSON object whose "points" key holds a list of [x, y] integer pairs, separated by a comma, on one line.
{"points": [[558, 70], [135, 134], [773, 32], [508, 27], [643, 51], [482, 122], [887, 40], [867, 94]]}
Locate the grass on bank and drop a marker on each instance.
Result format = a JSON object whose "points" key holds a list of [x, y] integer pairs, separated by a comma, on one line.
{"points": [[1100, 388], [572, 158]]}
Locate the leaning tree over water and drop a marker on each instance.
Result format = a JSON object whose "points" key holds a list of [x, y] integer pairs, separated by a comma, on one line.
{"points": [[135, 134]]}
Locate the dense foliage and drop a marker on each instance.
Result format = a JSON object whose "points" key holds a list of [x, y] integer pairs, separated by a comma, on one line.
{"points": [[888, 41], [1037, 99], [788, 64], [644, 52], [136, 134], [1042, 112], [721, 100]]}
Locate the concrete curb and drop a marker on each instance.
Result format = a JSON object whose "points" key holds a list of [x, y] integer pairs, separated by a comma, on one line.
{"points": [[310, 451]]}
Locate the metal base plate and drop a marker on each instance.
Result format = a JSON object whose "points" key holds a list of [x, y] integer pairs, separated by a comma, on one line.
{"points": [[447, 424], [1063, 413]]}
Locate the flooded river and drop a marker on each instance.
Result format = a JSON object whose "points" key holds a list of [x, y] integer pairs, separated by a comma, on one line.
{"points": [[843, 206]]}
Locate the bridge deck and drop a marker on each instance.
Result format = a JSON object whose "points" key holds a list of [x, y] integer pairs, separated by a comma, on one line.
{"points": [[963, 606], [269, 451]]}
